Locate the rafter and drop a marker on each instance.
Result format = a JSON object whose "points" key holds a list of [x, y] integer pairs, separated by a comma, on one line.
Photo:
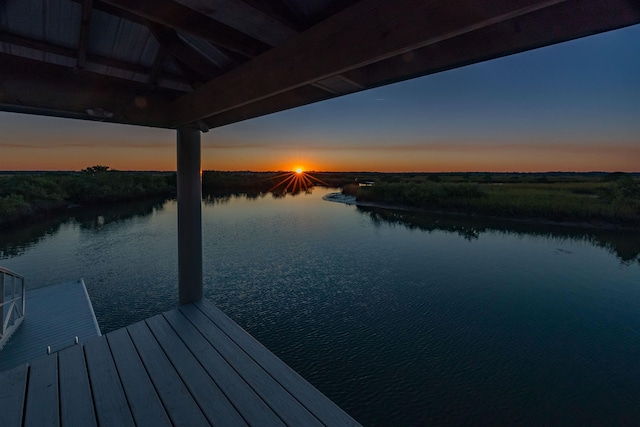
{"points": [[244, 18], [114, 11], [190, 63], [179, 17], [36, 44], [168, 39], [280, 11], [71, 53], [158, 64], [334, 8], [83, 41], [36, 87]]}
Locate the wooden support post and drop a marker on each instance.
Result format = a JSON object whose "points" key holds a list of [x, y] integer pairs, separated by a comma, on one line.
{"points": [[189, 216]]}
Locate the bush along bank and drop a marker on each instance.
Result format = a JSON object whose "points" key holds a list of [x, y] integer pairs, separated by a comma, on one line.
{"points": [[25, 197]]}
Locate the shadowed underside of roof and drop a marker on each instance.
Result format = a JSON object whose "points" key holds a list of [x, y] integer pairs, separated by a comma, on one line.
{"points": [[208, 63]]}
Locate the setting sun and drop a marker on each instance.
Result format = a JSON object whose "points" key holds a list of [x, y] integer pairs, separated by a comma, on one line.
{"points": [[298, 170]]}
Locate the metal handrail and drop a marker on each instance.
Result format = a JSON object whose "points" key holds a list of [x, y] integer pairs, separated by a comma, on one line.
{"points": [[7, 271], [12, 308]]}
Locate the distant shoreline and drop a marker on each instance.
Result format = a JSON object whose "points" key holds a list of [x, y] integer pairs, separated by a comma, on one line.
{"points": [[352, 200], [595, 200], [25, 199]]}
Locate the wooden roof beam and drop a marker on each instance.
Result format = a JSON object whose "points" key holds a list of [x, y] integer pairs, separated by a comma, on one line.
{"points": [[36, 87], [239, 15], [179, 17], [280, 11], [37, 45], [283, 101], [169, 40], [541, 28], [158, 65], [517, 35], [335, 7], [83, 42], [332, 47], [71, 53]]}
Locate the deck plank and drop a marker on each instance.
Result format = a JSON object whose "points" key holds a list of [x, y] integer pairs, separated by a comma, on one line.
{"points": [[189, 366], [13, 389], [144, 401], [323, 408], [76, 404], [284, 405], [108, 396], [175, 396], [249, 404], [42, 401], [214, 404]]}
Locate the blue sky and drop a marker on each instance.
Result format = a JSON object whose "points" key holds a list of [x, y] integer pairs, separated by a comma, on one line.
{"points": [[572, 106]]}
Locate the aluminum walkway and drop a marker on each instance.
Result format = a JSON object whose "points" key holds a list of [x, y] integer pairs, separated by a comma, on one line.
{"points": [[189, 366], [54, 317]]}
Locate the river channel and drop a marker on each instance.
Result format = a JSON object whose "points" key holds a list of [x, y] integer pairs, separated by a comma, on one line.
{"points": [[403, 319]]}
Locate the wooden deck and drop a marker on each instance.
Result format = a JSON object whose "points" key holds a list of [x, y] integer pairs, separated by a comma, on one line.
{"points": [[190, 366]]}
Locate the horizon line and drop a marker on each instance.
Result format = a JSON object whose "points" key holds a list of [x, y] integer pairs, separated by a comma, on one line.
{"points": [[23, 171]]}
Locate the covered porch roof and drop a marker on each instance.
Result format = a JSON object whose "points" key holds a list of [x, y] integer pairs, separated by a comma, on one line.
{"points": [[208, 63]]}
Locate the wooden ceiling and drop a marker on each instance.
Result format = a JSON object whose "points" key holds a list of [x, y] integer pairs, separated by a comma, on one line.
{"points": [[207, 63]]}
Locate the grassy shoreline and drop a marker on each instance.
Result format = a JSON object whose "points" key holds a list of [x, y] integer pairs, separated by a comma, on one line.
{"points": [[587, 202], [593, 199]]}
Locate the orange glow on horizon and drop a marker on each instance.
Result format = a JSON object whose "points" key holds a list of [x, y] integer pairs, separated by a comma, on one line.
{"points": [[451, 157]]}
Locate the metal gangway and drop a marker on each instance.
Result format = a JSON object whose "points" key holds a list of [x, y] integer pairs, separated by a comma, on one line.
{"points": [[11, 302]]}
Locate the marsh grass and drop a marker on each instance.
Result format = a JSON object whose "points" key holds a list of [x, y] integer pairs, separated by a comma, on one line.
{"points": [[594, 201]]}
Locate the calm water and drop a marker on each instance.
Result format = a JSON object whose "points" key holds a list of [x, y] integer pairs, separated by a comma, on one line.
{"points": [[402, 319]]}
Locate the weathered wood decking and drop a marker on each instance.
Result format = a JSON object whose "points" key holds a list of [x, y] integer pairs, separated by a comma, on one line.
{"points": [[189, 366]]}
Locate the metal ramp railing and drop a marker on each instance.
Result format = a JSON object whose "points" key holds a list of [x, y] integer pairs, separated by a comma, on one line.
{"points": [[11, 303]]}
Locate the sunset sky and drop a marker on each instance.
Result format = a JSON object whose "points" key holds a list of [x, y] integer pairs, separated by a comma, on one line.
{"points": [[569, 107]]}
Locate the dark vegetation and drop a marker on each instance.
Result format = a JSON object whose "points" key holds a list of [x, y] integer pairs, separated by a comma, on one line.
{"points": [[25, 197], [596, 198], [599, 199]]}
